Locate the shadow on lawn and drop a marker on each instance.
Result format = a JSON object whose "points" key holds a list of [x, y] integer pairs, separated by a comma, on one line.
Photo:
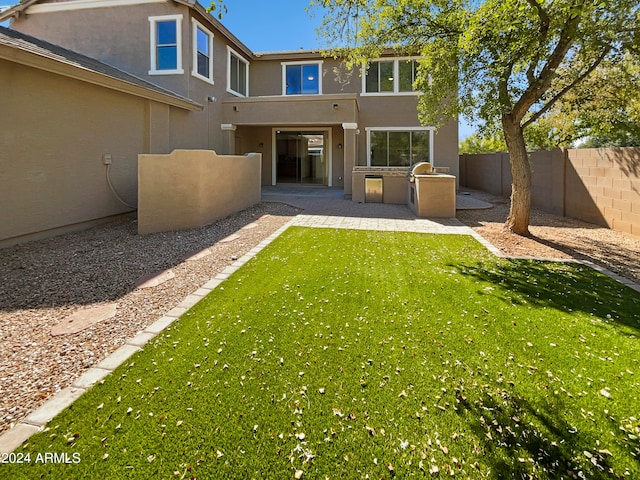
{"points": [[563, 286], [521, 441]]}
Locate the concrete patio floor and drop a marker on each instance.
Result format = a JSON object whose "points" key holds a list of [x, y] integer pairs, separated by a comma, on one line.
{"points": [[331, 201]]}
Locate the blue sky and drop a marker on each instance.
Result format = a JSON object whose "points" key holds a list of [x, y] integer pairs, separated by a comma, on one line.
{"points": [[266, 26]]}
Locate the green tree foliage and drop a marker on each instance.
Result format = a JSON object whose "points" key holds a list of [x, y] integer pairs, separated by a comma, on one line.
{"points": [[505, 62], [608, 105], [602, 111], [478, 143], [217, 8]]}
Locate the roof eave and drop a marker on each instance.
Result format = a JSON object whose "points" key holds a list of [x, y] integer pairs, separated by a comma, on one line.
{"points": [[218, 26], [16, 9], [39, 62], [24, 5]]}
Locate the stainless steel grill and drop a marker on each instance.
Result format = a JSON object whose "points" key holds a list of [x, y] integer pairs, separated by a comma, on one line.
{"points": [[420, 168]]}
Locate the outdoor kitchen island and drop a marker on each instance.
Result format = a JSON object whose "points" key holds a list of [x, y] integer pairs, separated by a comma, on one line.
{"points": [[428, 193]]}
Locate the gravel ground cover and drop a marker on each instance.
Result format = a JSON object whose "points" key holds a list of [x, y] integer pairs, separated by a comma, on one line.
{"points": [[555, 237], [43, 282]]}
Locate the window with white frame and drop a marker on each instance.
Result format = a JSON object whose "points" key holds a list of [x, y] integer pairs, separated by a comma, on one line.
{"points": [[166, 45], [387, 76], [302, 78], [399, 147], [237, 74], [202, 52]]}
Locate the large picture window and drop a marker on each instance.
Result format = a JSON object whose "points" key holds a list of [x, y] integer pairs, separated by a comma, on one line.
{"points": [[202, 52], [399, 147], [390, 76], [166, 45], [237, 74], [302, 78]]}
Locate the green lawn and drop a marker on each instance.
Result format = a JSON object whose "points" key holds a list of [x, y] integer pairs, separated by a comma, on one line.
{"points": [[342, 354]]}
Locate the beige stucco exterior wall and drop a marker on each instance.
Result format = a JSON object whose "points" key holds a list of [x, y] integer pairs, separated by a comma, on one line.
{"points": [[258, 140], [117, 35], [192, 188], [266, 74], [445, 149], [54, 132], [401, 111], [120, 37]]}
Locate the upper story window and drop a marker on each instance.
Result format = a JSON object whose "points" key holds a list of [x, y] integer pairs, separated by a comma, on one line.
{"points": [[302, 78], [202, 52], [237, 74], [406, 75], [390, 76], [166, 45]]}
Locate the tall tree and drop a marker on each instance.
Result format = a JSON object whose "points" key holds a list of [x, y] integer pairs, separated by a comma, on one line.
{"points": [[509, 61]]}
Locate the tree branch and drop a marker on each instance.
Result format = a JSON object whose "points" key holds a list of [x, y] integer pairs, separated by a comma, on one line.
{"points": [[562, 92], [535, 90], [545, 21], [414, 24], [503, 86]]}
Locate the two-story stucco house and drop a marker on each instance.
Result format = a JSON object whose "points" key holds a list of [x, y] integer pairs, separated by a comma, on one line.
{"points": [[311, 119]]}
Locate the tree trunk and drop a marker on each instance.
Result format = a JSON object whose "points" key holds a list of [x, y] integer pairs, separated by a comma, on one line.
{"points": [[518, 219]]}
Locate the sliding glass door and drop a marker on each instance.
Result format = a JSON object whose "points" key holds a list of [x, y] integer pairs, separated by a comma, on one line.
{"points": [[301, 157]]}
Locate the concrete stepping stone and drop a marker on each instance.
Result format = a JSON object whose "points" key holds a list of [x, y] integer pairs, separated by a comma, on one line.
{"points": [[230, 238], [464, 201], [154, 279], [83, 319], [250, 226], [190, 257]]}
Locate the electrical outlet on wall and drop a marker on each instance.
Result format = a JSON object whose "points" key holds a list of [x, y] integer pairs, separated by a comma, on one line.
{"points": [[106, 159]]}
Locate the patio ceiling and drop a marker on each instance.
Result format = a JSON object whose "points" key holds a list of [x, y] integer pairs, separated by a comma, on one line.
{"points": [[291, 110]]}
